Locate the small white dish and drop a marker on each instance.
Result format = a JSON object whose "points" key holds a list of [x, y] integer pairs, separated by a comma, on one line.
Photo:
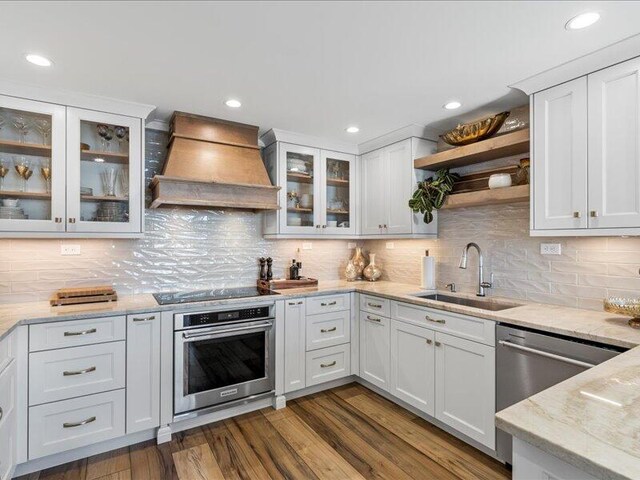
{"points": [[10, 202], [499, 180]]}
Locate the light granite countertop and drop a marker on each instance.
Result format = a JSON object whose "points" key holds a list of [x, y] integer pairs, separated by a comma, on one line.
{"points": [[591, 420]]}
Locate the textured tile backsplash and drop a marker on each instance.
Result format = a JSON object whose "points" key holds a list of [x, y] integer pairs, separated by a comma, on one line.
{"points": [[588, 269], [185, 249]]}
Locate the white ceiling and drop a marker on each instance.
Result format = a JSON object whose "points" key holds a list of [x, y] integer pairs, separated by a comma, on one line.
{"points": [[309, 67]]}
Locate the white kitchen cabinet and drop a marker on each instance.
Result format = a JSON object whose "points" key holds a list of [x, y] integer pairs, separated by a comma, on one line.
{"points": [[294, 345], [531, 463], [465, 387], [375, 355], [318, 194], [586, 155], [614, 146], [412, 376], [8, 418], [560, 156], [388, 181], [143, 372], [328, 329], [328, 364]]}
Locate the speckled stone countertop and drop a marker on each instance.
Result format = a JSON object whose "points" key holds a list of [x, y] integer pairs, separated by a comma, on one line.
{"points": [[591, 420]]}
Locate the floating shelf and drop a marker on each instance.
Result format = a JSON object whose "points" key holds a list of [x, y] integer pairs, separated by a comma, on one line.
{"points": [[337, 182], [33, 149], [103, 198], [109, 157], [299, 210], [519, 193], [496, 147], [26, 195], [299, 177]]}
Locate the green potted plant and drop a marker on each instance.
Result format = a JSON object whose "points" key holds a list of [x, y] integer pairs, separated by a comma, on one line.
{"points": [[432, 192]]}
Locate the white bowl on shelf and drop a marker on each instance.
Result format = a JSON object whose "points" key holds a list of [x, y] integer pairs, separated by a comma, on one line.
{"points": [[10, 202], [499, 180]]}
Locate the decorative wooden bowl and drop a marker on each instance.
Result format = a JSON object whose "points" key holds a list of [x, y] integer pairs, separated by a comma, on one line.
{"points": [[624, 306], [476, 131]]}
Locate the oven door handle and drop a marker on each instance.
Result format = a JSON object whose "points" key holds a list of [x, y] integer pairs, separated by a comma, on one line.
{"points": [[210, 333]]}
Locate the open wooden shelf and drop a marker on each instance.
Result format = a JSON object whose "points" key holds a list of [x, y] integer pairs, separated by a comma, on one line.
{"points": [[108, 157], [299, 210], [518, 193], [11, 146], [25, 195], [337, 182], [337, 212], [299, 177], [490, 149], [103, 198]]}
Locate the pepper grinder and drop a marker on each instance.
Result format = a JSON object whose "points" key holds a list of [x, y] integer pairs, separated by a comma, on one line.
{"points": [[263, 268], [269, 268]]}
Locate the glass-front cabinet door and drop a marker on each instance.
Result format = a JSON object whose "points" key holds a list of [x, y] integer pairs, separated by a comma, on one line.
{"points": [[302, 175], [338, 174], [104, 169], [32, 166]]}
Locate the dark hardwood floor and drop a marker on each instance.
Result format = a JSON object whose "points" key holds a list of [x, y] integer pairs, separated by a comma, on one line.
{"points": [[344, 433]]}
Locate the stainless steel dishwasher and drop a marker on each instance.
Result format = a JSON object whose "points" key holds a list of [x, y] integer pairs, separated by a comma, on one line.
{"points": [[528, 362]]}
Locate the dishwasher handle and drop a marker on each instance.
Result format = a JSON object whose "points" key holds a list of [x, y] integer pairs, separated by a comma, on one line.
{"points": [[542, 353]]}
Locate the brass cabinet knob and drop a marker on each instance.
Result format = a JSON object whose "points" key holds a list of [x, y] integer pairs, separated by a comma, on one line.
{"points": [[384, 226], [380, 226], [576, 215], [594, 213], [429, 341]]}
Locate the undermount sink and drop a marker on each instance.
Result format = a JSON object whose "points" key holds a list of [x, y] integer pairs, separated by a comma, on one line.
{"points": [[491, 305]]}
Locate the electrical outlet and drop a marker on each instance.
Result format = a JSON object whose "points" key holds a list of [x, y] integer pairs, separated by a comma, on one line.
{"points": [[307, 246], [351, 245], [551, 249], [69, 249], [391, 245]]}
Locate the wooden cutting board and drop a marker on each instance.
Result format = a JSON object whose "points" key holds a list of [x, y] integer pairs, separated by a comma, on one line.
{"points": [[56, 302], [283, 283], [79, 295]]}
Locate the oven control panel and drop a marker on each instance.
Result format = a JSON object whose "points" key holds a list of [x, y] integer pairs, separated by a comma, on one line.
{"points": [[211, 318]]}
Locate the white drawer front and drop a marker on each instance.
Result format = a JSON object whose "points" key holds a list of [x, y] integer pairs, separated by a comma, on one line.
{"points": [[327, 303], [377, 305], [328, 364], [47, 336], [7, 420], [328, 329], [7, 351], [72, 372], [60, 426], [472, 328]]}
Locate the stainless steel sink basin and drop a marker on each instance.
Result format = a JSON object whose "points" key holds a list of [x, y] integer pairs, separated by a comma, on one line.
{"points": [[491, 305]]}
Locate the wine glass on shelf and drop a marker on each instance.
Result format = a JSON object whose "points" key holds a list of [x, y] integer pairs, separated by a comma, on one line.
{"points": [[3, 172], [124, 181], [102, 130], [23, 167], [45, 171], [44, 128], [22, 125], [121, 135], [108, 137]]}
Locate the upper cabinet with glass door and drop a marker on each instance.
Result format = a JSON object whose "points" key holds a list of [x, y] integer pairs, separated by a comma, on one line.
{"points": [[32, 166], [301, 173], [339, 193], [104, 159]]}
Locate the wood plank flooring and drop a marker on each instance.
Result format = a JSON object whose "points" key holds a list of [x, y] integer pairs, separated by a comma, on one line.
{"points": [[345, 433]]}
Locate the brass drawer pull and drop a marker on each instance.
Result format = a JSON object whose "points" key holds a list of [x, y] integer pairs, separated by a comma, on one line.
{"points": [[329, 330], [79, 372], [374, 305], [145, 319], [576, 215], [373, 319], [327, 365], [330, 304], [83, 332], [79, 424], [72, 220], [427, 317]]}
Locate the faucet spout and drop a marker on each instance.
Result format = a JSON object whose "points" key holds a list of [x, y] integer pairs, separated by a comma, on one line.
{"points": [[482, 285]]}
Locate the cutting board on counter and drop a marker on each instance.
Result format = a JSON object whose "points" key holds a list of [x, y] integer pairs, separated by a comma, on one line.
{"points": [[284, 283], [80, 295]]}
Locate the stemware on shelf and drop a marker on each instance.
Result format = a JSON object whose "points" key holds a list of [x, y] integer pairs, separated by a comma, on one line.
{"points": [[3, 172], [22, 125], [23, 168], [108, 137], [102, 131], [124, 182], [45, 171], [44, 128], [109, 176], [121, 134]]}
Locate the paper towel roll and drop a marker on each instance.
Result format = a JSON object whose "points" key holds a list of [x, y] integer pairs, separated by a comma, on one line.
{"points": [[428, 272]]}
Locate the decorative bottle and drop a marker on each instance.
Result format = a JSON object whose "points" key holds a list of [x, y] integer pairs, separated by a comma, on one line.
{"points": [[351, 271], [359, 261], [372, 272]]}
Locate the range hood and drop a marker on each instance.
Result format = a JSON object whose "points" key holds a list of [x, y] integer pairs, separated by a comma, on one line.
{"points": [[213, 163]]}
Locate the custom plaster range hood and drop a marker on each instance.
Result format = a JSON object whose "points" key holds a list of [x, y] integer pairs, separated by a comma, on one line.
{"points": [[213, 163]]}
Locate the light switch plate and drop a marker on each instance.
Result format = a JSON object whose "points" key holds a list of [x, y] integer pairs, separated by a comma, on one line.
{"points": [[551, 249], [307, 246], [69, 249]]}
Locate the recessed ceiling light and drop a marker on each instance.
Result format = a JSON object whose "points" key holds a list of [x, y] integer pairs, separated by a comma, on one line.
{"points": [[452, 105], [233, 103], [352, 129], [38, 60], [582, 21], [98, 160]]}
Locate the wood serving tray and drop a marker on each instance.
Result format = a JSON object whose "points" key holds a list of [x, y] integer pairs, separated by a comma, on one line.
{"points": [[283, 283]]}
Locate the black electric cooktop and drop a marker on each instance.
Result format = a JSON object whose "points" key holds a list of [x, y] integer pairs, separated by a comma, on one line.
{"points": [[170, 298]]}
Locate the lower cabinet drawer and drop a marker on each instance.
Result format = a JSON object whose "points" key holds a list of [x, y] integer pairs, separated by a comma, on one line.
{"points": [[377, 305], [47, 336], [72, 372], [328, 364], [328, 303], [328, 329], [60, 426]]}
